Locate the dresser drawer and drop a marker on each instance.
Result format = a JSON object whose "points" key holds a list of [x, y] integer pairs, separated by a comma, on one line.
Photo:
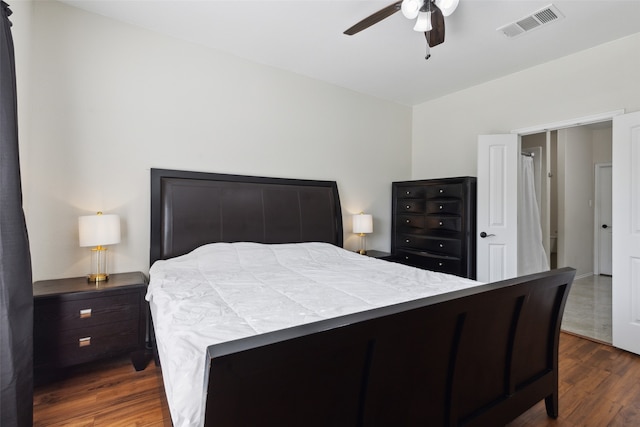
{"points": [[443, 264], [87, 312], [409, 223], [410, 206], [445, 191], [443, 246], [410, 193], [442, 223], [444, 207]]}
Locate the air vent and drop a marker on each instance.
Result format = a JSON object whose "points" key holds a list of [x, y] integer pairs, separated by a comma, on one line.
{"points": [[537, 19]]}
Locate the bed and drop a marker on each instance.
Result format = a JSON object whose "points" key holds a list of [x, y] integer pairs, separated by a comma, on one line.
{"points": [[261, 318]]}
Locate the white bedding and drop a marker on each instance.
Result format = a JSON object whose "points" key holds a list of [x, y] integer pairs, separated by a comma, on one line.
{"points": [[225, 291]]}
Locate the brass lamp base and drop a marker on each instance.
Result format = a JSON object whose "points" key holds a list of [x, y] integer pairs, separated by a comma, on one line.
{"points": [[363, 244], [98, 265], [101, 277]]}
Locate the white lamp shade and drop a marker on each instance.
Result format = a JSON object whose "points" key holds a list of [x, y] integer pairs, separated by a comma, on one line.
{"points": [[410, 8], [362, 223], [447, 6], [423, 23], [99, 230]]}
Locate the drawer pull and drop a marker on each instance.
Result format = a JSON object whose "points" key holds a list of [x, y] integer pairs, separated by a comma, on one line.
{"points": [[408, 207], [85, 312], [84, 342], [441, 245], [439, 264], [441, 190], [406, 257], [440, 223], [407, 240], [440, 207], [408, 192], [408, 221]]}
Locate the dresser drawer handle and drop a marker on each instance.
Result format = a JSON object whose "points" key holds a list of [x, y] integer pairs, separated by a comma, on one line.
{"points": [[408, 192], [85, 312], [408, 206], [406, 257], [84, 342], [441, 190], [439, 264], [440, 223], [440, 207], [408, 221], [441, 245]]}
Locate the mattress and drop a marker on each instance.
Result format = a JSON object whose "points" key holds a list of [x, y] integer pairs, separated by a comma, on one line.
{"points": [[226, 291]]}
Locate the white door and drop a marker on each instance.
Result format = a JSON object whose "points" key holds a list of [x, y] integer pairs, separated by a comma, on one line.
{"points": [[497, 207], [603, 218], [626, 233]]}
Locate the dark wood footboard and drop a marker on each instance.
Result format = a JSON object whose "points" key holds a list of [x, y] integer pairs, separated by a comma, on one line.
{"points": [[480, 356]]}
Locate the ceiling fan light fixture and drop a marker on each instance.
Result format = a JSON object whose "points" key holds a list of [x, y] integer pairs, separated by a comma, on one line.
{"points": [[423, 23], [447, 6], [410, 8]]}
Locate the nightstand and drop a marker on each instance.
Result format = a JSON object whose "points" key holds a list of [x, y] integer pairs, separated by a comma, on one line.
{"points": [[378, 254], [76, 321]]}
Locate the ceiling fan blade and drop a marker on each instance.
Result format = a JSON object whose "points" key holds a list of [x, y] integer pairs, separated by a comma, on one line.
{"points": [[374, 19], [436, 35]]}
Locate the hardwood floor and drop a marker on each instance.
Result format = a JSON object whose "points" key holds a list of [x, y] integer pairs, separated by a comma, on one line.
{"points": [[599, 386], [109, 393]]}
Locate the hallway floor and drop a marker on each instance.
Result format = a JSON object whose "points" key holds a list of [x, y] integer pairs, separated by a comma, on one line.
{"points": [[588, 309]]}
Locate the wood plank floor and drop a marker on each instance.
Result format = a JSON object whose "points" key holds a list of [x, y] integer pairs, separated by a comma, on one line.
{"points": [[599, 386]]}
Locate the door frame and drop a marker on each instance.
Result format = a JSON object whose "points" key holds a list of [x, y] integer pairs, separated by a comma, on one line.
{"points": [[596, 217], [580, 121]]}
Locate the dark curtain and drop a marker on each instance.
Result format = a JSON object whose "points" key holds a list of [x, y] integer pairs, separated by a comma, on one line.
{"points": [[16, 292]]}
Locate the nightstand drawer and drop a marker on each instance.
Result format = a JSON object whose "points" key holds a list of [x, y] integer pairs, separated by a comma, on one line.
{"points": [[87, 312], [83, 345]]}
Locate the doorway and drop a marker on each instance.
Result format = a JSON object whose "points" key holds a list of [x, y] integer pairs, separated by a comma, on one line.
{"points": [[497, 214], [576, 219]]}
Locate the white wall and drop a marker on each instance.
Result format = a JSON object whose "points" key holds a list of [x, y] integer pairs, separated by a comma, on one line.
{"points": [[110, 101], [445, 130], [602, 146], [575, 204]]}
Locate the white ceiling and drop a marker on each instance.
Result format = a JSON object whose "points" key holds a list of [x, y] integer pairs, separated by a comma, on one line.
{"points": [[387, 59]]}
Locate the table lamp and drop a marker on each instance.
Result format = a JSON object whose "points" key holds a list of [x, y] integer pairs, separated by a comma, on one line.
{"points": [[99, 231], [362, 225]]}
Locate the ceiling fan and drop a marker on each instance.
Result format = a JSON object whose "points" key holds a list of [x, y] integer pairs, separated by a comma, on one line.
{"points": [[429, 16]]}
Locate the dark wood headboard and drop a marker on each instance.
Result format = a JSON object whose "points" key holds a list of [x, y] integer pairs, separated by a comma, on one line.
{"points": [[190, 209]]}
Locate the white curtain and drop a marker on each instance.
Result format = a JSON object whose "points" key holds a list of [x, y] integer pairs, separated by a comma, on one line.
{"points": [[531, 255]]}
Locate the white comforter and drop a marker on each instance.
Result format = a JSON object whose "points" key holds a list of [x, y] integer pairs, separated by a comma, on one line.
{"points": [[225, 291]]}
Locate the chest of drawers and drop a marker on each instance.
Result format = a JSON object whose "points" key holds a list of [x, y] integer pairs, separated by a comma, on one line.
{"points": [[76, 321], [434, 224]]}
